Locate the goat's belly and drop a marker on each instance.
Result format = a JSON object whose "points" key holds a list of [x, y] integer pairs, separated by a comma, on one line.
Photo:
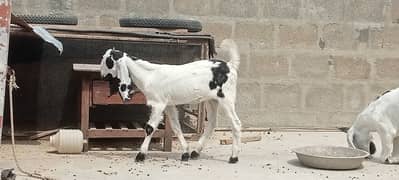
{"points": [[189, 96], [188, 101]]}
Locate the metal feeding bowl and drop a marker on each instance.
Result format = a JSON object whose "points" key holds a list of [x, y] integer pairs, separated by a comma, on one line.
{"points": [[331, 157]]}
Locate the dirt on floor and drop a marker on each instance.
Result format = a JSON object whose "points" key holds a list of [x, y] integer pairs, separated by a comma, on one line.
{"points": [[270, 158]]}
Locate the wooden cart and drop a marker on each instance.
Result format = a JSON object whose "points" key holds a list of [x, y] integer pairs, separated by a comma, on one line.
{"points": [[96, 92], [56, 80]]}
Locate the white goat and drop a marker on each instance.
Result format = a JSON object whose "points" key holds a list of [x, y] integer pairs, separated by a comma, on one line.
{"points": [[165, 86], [381, 116]]}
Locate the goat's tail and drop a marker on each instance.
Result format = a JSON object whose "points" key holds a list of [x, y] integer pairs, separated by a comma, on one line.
{"points": [[231, 47]]}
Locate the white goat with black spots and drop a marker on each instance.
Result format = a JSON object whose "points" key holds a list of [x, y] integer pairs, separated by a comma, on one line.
{"points": [[210, 81], [381, 116]]}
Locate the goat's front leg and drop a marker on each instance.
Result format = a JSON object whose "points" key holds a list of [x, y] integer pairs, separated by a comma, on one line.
{"points": [[387, 147], [150, 127], [171, 111], [395, 151], [394, 158]]}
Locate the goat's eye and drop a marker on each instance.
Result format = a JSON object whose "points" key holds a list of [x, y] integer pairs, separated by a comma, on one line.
{"points": [[110, 63], [123, 87], [129, 87]]}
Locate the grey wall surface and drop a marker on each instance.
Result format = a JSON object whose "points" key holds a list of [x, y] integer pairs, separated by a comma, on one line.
{"points": [[312, 63]]}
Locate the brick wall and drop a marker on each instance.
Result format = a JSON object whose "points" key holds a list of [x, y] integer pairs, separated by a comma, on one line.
{"points": [[313, 63]]}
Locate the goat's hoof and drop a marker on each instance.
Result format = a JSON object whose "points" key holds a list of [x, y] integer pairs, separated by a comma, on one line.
{"points": [[392, 160], [233, 160], [140, 157], [194, 155], [185, 156]]}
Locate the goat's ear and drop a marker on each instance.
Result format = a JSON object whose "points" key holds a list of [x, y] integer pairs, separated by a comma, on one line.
{"points": [[344, 129], [113, 86], [373, 149], [116, 55]]}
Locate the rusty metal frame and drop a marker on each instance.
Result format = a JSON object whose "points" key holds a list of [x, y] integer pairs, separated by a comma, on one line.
{"points": [[5, 19]]}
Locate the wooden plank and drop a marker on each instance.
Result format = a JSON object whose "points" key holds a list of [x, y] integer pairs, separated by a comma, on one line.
{"points": [[136, 125], [243, 140], [168, 135], [85, 106], [193, 113], [108, 126], [101, 95], [92, 125], [286, 129], [201, 118], [189, 124], [118, 133], [43, 134], [123, 126], [177, 38], [86, 67], [103, 36], [109, 29]]}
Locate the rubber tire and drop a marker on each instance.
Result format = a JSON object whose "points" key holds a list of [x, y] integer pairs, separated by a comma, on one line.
{"points": [[49, 19], [190, 25]]}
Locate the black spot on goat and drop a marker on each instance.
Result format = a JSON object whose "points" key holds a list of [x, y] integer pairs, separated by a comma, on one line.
{"points": [[110, 63], [148, 129], [113, 84], [219, 76], [123, 87]]}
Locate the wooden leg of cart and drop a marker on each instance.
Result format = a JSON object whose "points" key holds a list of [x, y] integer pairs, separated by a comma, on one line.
{"points": [[168, 135], [84, 111], [201, 118]]}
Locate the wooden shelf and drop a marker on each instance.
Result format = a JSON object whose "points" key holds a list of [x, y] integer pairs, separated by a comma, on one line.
{"points": [[96, 92], [101, 95], [122, 133]]}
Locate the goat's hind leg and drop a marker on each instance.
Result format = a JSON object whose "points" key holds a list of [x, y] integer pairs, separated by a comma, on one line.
{"points": [[150, 127], [171, 112], [211, 107], [394, 158], [229, 109]]}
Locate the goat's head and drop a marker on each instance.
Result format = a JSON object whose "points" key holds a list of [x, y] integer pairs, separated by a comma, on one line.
{"points": [[361, 139], [126, 84], [113, 69], [108, 63]]}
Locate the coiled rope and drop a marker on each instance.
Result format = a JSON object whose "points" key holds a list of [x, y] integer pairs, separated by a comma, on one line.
{"points": [[12, 84]]}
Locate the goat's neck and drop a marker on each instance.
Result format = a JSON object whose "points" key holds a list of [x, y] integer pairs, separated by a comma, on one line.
{"points": [[137, 73]]}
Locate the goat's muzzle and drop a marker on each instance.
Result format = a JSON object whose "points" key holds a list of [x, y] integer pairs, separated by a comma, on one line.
{"points": [[126, 100]]}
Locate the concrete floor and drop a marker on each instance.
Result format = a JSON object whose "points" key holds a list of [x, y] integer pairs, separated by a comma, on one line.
{"points": [[270, 158]]}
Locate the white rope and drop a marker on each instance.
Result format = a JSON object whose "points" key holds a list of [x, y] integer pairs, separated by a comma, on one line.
{"points": [[12, 84]]}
